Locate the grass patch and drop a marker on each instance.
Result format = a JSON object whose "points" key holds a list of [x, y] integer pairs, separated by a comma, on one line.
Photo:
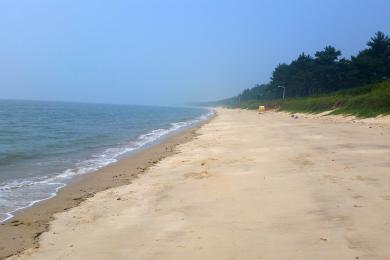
{"points": [[368, 101]]}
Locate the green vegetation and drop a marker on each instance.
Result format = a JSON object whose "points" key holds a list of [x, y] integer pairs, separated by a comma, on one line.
{"points": [[327, 82], [370, 100]]}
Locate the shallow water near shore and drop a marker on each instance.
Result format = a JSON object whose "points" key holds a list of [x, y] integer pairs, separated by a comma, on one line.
{"points": [[44, 144]]}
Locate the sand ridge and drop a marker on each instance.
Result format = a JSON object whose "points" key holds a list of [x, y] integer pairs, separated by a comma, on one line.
{"points": [[249, 186]]}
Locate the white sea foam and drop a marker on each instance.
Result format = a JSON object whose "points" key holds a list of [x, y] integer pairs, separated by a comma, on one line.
{"points": [[45, 187]]}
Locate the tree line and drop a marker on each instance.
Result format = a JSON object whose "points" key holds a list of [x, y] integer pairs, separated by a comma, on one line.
{"points": [[325, 72]]}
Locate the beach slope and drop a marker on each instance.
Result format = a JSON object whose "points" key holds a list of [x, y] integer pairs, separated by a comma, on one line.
{"points": [[249, 186]]}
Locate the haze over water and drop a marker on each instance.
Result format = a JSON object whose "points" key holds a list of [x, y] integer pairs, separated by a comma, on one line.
{"points": [[168, 52]]}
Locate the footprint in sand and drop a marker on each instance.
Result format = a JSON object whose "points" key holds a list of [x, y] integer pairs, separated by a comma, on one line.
{"points": [[303, 161], [386, 198], [197, 175], [368, 179], [332, 178]]}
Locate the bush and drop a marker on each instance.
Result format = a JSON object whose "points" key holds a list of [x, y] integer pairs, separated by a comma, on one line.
{"points": [[367, 101]]}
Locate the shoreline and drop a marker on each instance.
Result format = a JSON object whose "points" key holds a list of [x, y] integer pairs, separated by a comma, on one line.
{"points": [[248, 185], [23, 230], [142, 141]]}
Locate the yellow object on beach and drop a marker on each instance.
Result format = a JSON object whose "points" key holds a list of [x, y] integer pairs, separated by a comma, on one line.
{"points": [[261, 108]]}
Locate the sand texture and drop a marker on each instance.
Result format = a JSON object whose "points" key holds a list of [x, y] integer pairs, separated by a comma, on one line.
{"points": [[249, 186], [23, 231]]}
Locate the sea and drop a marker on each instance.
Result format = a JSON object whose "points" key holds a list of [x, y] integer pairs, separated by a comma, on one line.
{"points": [[43, 145]]}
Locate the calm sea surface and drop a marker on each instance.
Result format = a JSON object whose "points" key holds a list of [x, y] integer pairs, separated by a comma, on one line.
{"points": [[44, 144]]}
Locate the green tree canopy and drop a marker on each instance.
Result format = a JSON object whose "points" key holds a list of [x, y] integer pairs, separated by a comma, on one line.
{"points": [[327, 71]]}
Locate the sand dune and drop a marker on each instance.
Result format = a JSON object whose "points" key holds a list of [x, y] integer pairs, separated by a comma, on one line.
{"points": [[249, 186]]}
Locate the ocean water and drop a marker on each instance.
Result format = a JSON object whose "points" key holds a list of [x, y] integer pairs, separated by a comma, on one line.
{"points": [[44, 144]]}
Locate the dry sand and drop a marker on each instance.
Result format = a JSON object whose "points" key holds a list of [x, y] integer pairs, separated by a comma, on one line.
{"points": [[249, 186]]}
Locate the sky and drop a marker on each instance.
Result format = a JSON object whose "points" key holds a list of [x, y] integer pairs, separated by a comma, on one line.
{"points": [[168, 52]]}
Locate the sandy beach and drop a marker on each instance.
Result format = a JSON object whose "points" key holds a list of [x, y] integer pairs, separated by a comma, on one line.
{"points": [[247, 186], [23, 230]]}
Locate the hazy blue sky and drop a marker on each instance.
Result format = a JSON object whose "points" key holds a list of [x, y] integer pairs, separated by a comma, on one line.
{"points": [[167, 51]]}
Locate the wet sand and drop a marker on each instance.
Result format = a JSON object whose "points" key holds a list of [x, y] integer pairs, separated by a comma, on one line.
{"points": [[22, 231], [249, 186]]}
